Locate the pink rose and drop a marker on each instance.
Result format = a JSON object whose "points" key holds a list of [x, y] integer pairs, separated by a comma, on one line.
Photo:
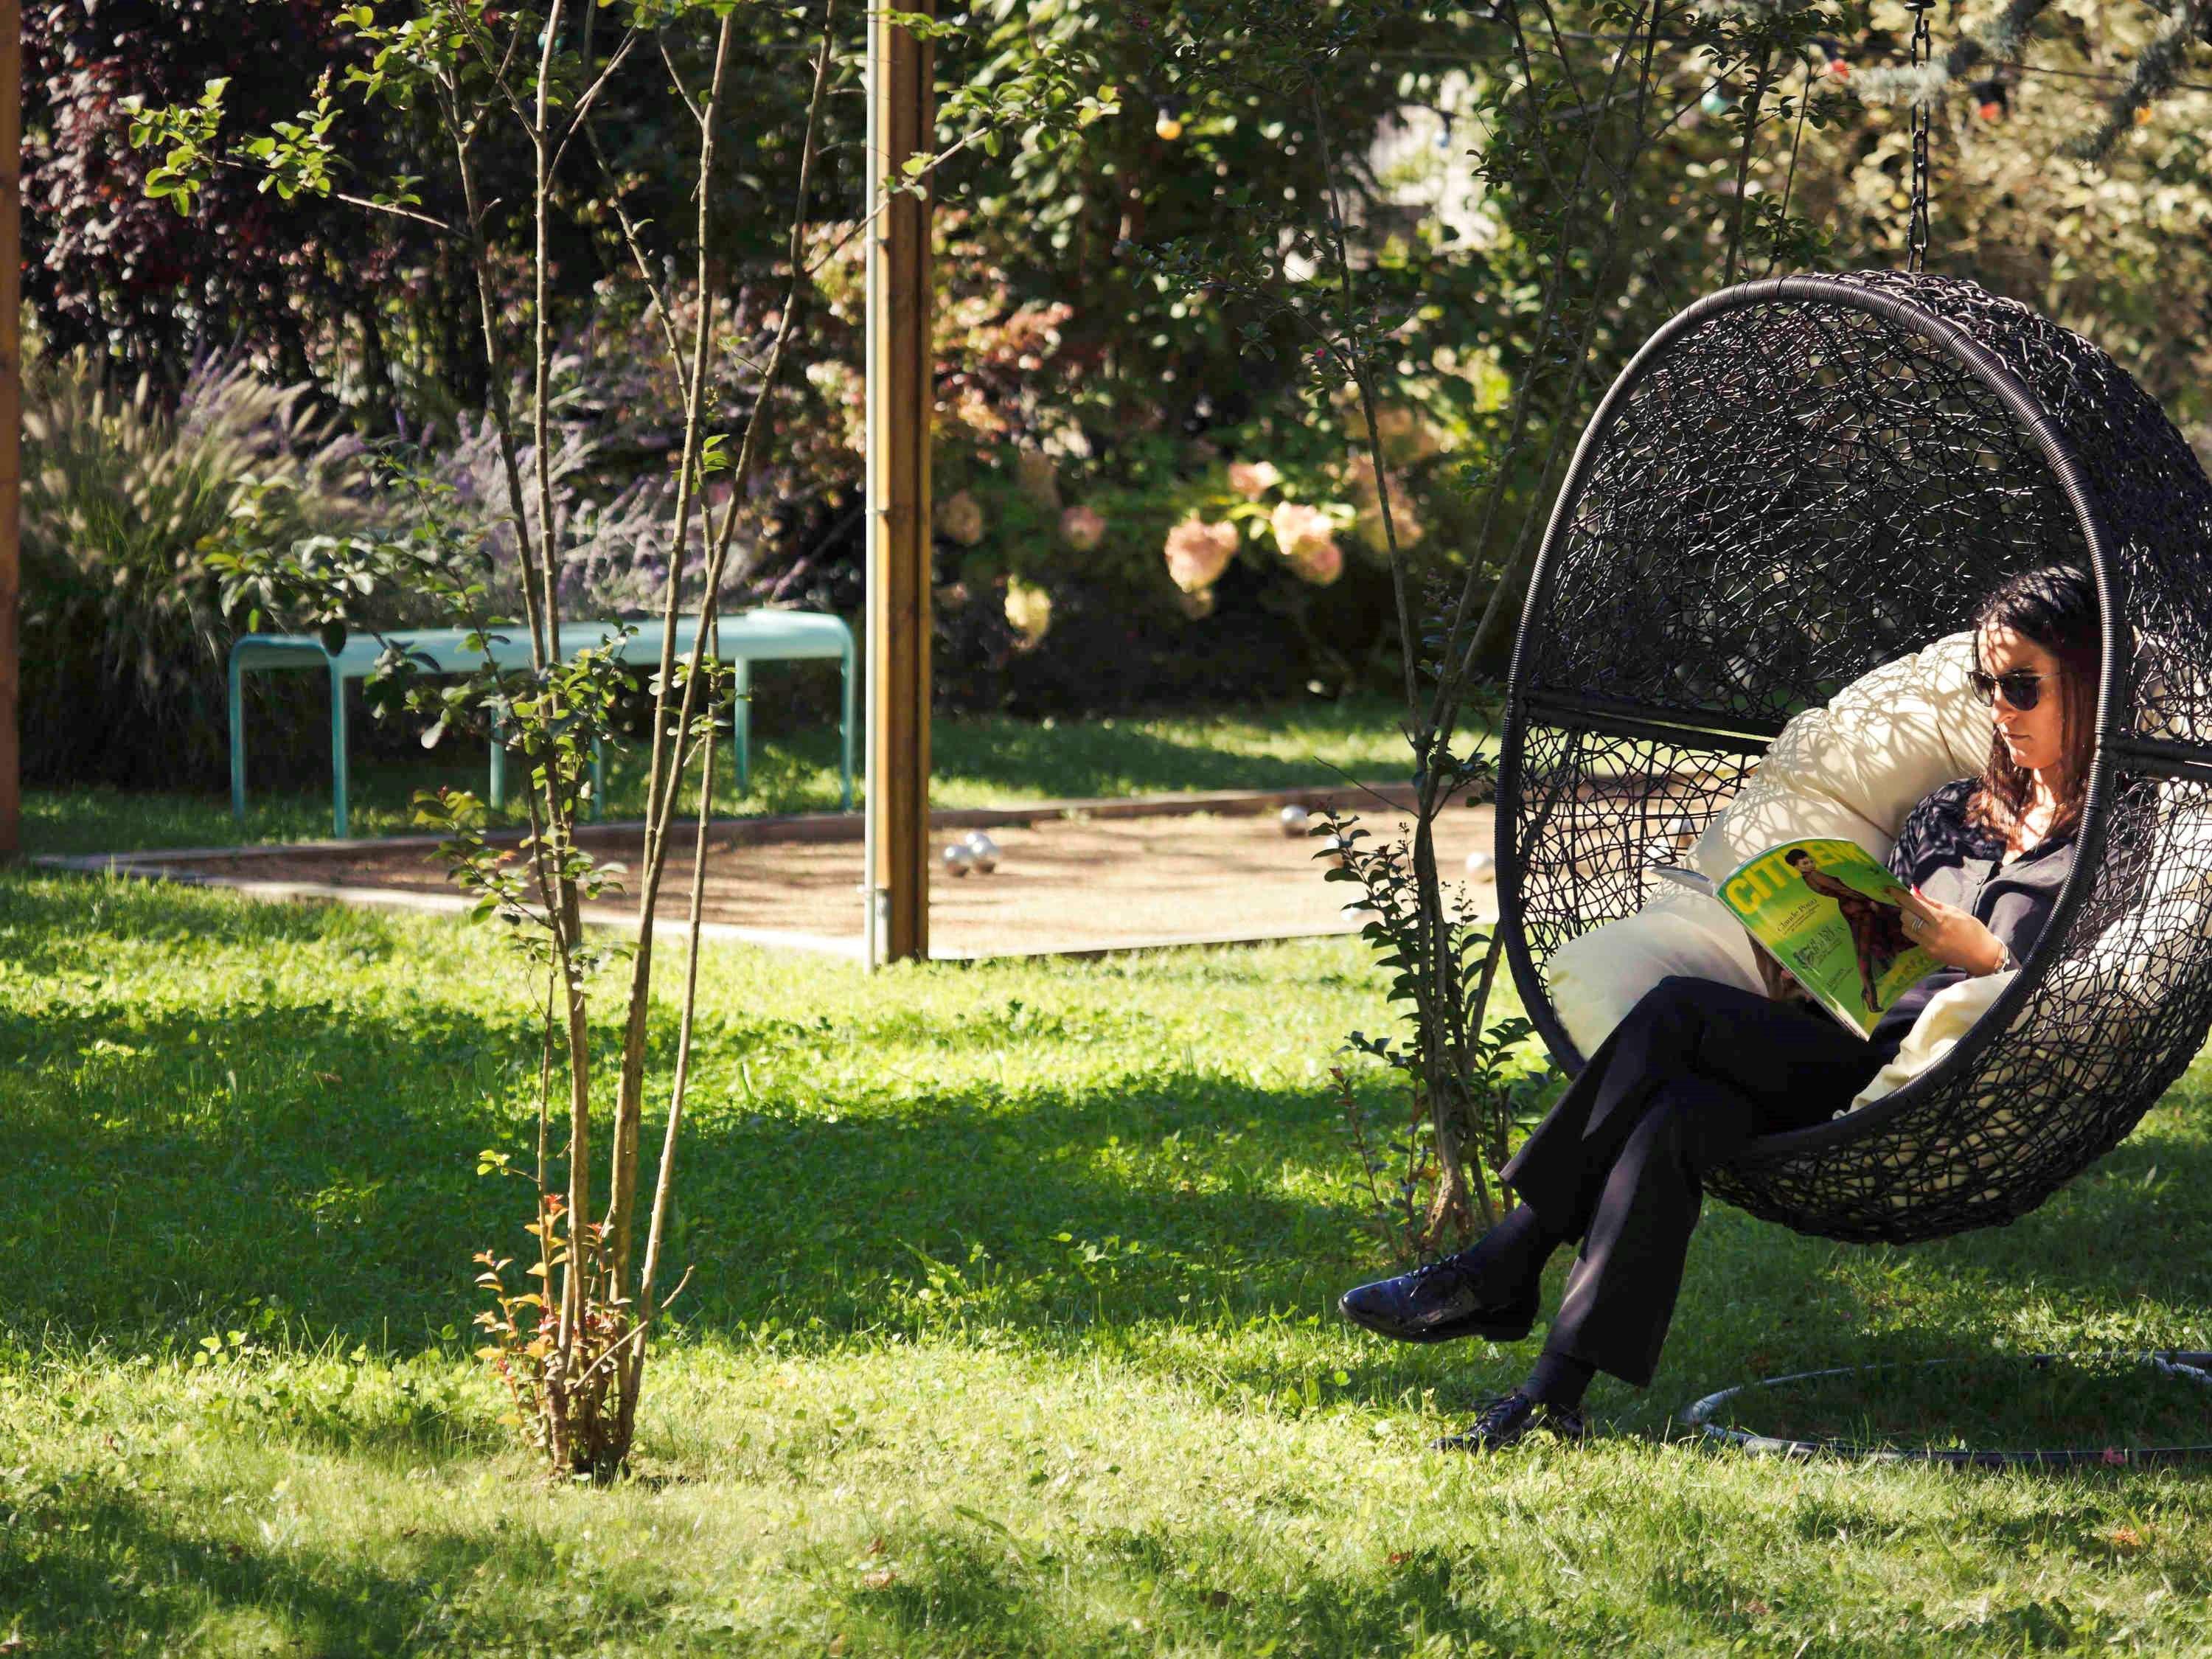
{"points": [[1295, 523], [1253, 479], [1320, 562], [1198, 552], [960, 519], [1082, 527]]}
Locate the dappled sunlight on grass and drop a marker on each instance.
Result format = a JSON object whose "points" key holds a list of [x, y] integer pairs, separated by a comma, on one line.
{"points": [[1011, 1329]]}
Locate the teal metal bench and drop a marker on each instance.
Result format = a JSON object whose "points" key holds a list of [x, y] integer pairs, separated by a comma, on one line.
{"points": [[742, 640]]}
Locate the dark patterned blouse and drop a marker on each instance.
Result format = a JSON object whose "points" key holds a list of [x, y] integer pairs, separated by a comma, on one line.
{"points": [[1963, 864]]}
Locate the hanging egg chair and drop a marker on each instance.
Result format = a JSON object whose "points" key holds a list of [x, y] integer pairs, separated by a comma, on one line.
{"points": [[1795, 482]]}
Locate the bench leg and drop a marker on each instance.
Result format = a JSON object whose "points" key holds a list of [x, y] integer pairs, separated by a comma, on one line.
{"points": [[237, 742], [337, 755], [497, 789], [741, 721], [845, 734]]}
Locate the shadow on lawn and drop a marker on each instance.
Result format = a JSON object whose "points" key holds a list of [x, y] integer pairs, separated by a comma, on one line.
{"points": [[98, 1566], [195, 1165], [322, 1160], [2108, 1257], [974, 1585]]}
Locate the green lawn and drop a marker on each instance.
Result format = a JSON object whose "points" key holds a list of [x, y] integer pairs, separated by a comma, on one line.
{"points": [[975, 762], [1011, 1333]]}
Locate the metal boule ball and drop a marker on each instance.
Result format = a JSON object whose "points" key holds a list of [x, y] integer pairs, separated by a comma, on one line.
{"points": [[959, 859], [1483, 866], [1294, 819], [984, 850]]}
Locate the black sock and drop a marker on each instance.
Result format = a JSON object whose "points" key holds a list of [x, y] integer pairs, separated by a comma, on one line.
{"points": [[1508, 1260], [1559, 1379]]}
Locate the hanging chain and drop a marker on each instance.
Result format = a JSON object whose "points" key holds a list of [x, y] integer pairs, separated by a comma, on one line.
{"points": [[1916, 236]]}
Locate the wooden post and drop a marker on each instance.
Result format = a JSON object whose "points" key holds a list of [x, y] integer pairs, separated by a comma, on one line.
{"points": [[11, 414], [901, 122]]}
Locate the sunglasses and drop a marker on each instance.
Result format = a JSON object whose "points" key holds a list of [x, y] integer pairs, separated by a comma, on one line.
{"points": [[2022, 690]]}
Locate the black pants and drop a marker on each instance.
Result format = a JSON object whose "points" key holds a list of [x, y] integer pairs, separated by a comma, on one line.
{"points": [[1697, 1070]]}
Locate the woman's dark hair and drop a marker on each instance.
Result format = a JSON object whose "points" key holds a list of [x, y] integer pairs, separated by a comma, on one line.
{"points": [[2054, 605]]}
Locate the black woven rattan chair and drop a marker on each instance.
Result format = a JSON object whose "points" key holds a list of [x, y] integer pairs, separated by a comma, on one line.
{"points": [[1794, 482]]}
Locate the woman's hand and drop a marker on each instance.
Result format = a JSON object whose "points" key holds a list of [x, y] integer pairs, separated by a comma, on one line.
{"points": [[1781, 987], [1953, 936]]}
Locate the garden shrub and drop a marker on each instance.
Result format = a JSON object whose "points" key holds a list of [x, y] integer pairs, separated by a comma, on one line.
{"points": [[123, 637]]}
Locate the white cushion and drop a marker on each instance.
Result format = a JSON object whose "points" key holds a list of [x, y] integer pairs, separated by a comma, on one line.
{"points": [[1598, 976], [1852, 769], [1941, 1024], [1856, 768]]}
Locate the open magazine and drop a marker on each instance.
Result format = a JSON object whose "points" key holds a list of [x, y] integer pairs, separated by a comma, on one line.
{"points": [[1828, 912]]}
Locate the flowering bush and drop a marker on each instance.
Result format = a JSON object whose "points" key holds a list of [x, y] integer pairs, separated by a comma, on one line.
{"points": [[1253, 479], [1029, 611], [1198, 552], [1082, 528], [959, 518], [1303, 536]]}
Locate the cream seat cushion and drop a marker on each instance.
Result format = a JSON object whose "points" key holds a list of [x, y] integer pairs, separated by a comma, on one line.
{"points": [[1852, 769]]}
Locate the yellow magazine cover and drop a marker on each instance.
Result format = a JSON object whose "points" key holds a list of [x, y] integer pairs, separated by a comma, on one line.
{"points": [[1827, 911]]}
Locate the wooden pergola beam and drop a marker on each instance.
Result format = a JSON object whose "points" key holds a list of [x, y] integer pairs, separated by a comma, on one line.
{"points": [[902, 121]]}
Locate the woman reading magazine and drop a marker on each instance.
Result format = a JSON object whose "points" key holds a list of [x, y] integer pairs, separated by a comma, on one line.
{"points": [[1698, 1068]]}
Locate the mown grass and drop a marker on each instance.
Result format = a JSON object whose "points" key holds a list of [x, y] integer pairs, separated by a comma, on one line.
{"points": [[1011, 1332], [975, 761]]}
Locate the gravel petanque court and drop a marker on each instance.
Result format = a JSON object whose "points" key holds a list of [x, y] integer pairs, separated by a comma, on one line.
{"points": [[1072, 876]]}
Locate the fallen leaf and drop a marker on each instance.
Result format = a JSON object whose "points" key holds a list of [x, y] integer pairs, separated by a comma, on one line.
{"points": [[881, 1578]]}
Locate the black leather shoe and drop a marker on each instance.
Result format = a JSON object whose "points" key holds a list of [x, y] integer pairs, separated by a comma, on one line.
{"points": [[1435, 1304], [1512, 1418]]}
